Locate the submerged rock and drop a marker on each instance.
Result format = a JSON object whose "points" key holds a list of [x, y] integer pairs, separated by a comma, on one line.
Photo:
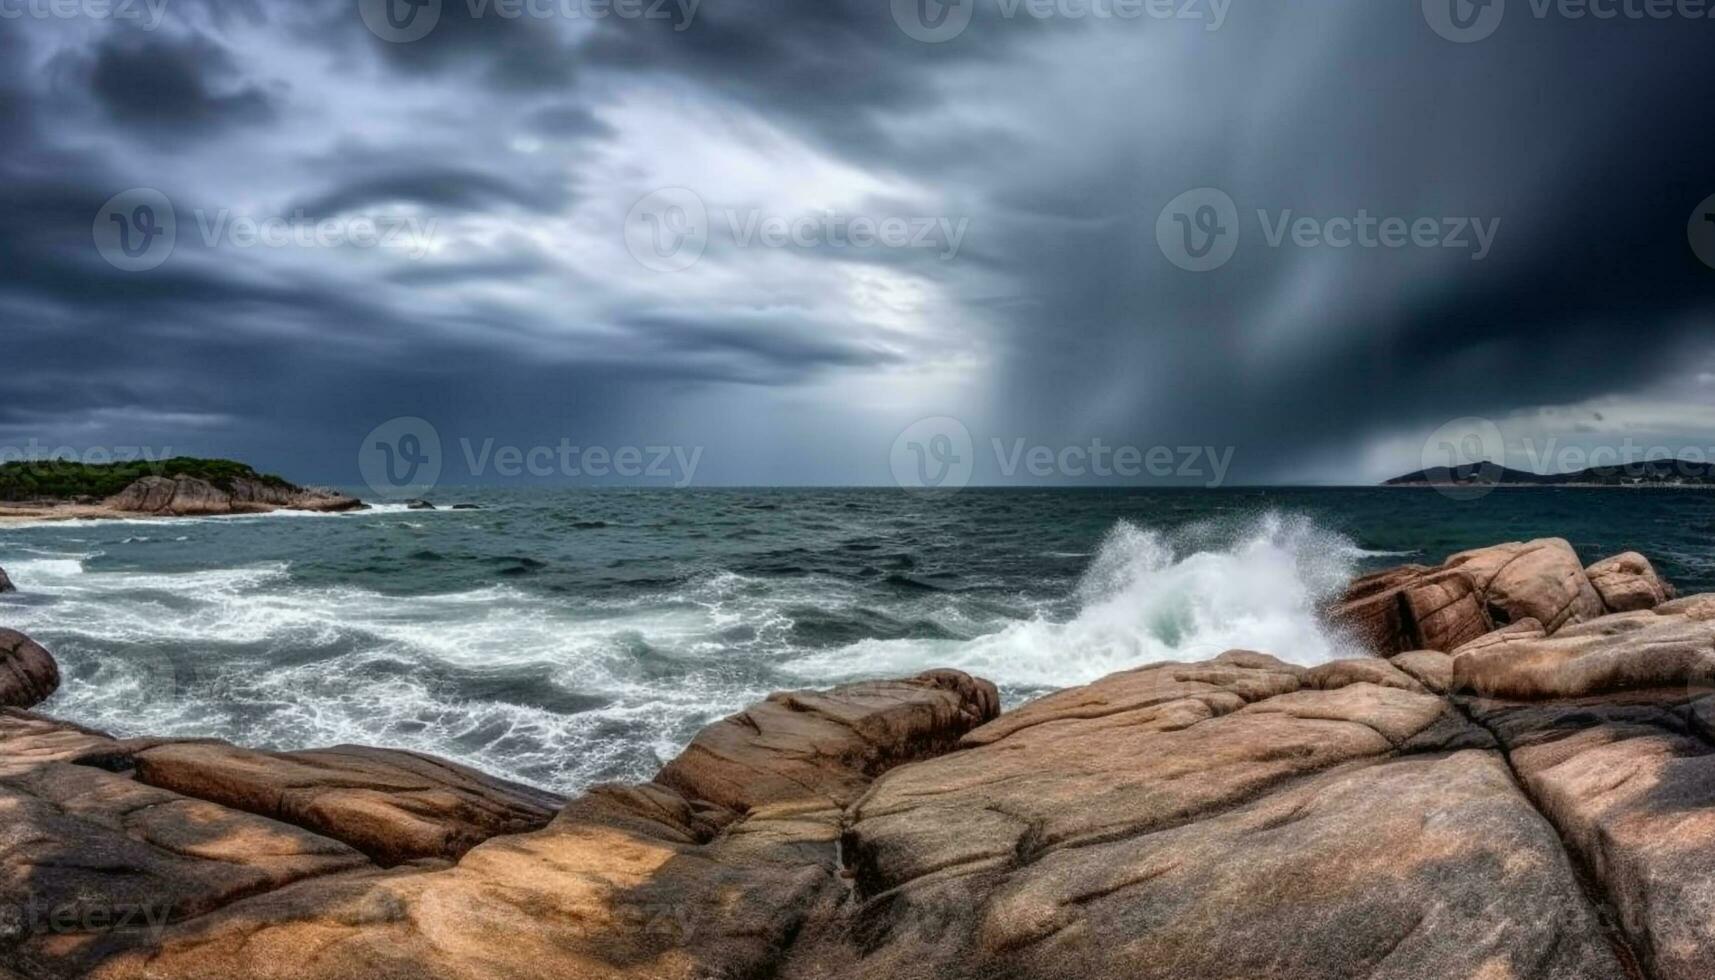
{"points": [[419, 505]]}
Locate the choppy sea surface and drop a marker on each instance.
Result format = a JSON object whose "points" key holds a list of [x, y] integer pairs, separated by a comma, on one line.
{"points": [[566, 637]]}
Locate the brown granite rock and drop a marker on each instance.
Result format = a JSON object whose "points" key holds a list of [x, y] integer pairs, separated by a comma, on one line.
{"points": [[393, 806], [1431, 668], [187, 496], [636, 882], [1241, 817], [1541, 580], [1416, 609], [1629, 781], [1470, 596], [1167, 822], [1618, 653], [1700, 607], [1628, 583], [828, 745], [28, 673]]}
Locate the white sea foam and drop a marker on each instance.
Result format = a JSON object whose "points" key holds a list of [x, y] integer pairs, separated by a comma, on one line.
{"points": [[493, 675], [1149, 597]]}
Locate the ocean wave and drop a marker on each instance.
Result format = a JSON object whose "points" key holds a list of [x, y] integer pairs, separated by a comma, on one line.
{"points": [[1148, 597]]}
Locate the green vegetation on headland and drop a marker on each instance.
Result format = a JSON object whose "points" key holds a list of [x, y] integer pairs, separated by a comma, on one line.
{"points": [[56, 479]]}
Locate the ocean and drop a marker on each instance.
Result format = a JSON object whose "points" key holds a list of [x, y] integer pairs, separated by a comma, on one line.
{"points": [[568, 637]]}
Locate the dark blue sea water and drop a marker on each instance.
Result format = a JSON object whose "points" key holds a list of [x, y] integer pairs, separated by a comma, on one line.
{"points": [[566, 637]]}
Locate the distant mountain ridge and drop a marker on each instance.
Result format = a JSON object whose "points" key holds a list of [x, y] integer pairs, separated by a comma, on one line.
{"points": [[1658, 472]]}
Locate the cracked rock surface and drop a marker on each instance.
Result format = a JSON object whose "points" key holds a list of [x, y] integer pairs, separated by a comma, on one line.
{"points": [[1531, 799]]}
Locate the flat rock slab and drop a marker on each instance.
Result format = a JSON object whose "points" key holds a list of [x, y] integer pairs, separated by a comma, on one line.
{"points": [[393, 806], [828, 745], [641, 882], [1629, 781], [1211, 821]]}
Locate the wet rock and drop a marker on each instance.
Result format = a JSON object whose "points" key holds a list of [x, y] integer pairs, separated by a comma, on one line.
{"points": [[1470, 596], [28, 673], [632, 882], [1551, 818], [419, 505], [1412, 609], [5, 583]]}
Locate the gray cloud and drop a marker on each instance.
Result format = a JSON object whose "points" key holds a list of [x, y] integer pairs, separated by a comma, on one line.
{"points": [[526, 141]]}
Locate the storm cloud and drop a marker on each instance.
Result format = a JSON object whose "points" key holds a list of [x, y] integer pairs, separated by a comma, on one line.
{"points": [[720, 224]]}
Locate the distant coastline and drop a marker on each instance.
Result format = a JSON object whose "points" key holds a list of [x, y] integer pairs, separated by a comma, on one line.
{"points": [[1671, 474], [59, 490]]}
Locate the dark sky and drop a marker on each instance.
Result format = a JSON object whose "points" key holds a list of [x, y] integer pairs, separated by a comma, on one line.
{"points": [[574, 203]]}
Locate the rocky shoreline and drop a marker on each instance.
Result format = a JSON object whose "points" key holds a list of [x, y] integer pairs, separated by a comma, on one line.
{"points": [[1520, 785], [186, 496]]}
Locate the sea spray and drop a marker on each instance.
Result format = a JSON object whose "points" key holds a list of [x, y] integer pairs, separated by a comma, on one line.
{"points": [[1150, 596]]}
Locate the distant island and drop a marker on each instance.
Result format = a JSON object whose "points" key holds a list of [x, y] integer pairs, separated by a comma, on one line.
{"points": [[1651, 473], [180, 487]]}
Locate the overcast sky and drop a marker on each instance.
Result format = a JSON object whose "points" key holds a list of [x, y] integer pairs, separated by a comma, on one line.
{"points": [[785, 231]]}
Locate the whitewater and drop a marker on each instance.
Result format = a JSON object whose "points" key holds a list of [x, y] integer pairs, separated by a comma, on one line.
{"points": [[566, 638]]}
